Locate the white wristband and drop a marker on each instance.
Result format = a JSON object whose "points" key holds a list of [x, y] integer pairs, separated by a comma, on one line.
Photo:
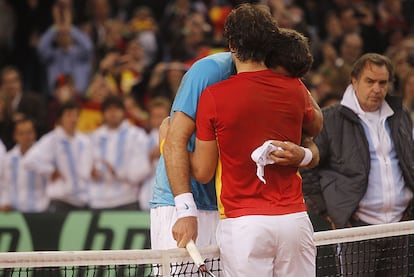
{"points": [[185, 205], [307, 158]]}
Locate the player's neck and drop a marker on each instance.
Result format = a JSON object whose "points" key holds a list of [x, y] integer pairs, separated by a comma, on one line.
{"points": [[281, 70], [249, 66]]}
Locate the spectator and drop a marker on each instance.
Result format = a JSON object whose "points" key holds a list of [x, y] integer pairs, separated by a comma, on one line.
{"points": [[121, 161], [159, 109], [351, 48], [90, 117], [32, 19], [337, 68], [361, 19], [165, 79], [293, 17], [145, 29], [123, 71], [318, 86], [23, 190], [64, 91], [218, 13], [7, 26], [193, 42], [64, 49], [98, 27], [407, 92], [175, 15], [65, 157], [117, 35], [135, 113], [391, 17], [332, 71], [402, 57], [333, 29], [22, 104], [400, 62], [365, 172]]}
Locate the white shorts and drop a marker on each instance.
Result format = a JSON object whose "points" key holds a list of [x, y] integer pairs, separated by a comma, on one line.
{"points": [[267, 246], [163, 219]]}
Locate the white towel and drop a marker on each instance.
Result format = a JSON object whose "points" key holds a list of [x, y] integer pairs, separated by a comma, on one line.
{"points": [[261, 157]]}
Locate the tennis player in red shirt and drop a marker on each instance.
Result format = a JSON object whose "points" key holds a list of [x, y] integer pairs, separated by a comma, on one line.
{"points": [[264, 228]]}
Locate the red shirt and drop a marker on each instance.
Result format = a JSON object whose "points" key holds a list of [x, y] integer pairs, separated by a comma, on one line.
{"points": [[241, 114]]}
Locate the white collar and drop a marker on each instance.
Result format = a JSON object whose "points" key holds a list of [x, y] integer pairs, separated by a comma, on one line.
{"points": [[60, 132], [124, 124]]}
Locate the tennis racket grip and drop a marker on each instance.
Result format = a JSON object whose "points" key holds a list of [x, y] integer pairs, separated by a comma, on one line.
{"points": [[194, 253]]}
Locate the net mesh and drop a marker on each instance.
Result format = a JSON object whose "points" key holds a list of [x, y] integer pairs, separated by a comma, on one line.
{"points": [[174, 262], [380, 250]]}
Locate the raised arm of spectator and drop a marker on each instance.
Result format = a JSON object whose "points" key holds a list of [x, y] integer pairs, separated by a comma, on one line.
{"points": [[46, 49], [83, 44]]}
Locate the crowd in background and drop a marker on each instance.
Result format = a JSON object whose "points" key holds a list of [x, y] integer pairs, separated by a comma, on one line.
{"points": [[55, 52]]}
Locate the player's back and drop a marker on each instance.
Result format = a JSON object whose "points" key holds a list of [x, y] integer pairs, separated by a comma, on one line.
{"points": [[250, 108]]}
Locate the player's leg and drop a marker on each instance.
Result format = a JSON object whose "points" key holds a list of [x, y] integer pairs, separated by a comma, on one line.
{"points": [[162, 221], [207, 227], [246, 246], [296, 251]]}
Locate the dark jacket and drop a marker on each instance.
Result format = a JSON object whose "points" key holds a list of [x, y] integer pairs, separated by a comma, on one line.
{"points": [[336, 186]]}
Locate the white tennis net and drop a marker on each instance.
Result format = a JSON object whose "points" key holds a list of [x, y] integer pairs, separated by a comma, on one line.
{"points": [[358, 251]]}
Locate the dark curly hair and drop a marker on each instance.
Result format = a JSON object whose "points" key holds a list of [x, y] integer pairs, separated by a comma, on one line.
{"points": [[290, 51], [249, 30]]}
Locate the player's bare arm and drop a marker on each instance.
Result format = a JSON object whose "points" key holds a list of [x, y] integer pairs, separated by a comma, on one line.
{"points": [[204, 160], [175, 149], [178, 170], [315, 127]]}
